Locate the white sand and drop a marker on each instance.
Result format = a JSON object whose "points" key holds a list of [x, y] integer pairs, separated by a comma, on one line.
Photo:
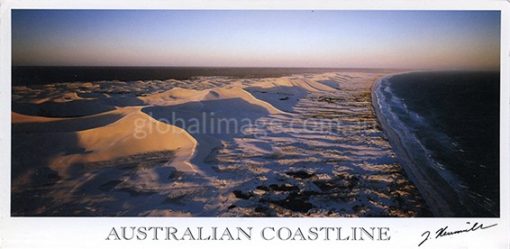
{"points": [[284, 164]]}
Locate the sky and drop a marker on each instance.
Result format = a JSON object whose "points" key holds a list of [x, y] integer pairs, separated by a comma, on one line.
{"points": [[257, 38]]}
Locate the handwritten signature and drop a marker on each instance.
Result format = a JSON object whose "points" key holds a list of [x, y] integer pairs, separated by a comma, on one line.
{"points": [[444, 232]]}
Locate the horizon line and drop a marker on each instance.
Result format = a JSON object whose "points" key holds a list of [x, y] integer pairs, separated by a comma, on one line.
{"points": [[272, 67]]}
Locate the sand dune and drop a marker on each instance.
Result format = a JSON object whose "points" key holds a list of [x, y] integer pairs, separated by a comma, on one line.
{"points": [[301, 145], [174, 96], [18, 118], [177, 96], [28, 123], [135, 133]]}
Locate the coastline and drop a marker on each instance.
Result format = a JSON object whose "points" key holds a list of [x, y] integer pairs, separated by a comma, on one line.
{"points": [[434, 189]]}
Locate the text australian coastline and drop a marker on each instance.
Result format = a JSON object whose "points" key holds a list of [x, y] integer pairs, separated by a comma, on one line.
{"points": [[248, 233]]}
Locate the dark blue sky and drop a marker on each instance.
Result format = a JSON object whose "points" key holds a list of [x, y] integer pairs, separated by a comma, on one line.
{"points": [[417, 39]]}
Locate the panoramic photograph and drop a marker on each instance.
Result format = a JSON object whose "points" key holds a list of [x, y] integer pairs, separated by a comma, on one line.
{"points": [[255, 113]]}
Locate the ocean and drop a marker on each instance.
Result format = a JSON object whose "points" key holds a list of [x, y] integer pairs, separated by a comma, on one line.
{"points": [[37, 75], [448, 126]]}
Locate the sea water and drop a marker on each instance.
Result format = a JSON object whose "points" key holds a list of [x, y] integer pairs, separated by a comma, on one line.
{"points": [[451, 122]]}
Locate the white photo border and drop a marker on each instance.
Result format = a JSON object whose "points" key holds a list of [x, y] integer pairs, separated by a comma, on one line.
{"points": [[91, 232]]}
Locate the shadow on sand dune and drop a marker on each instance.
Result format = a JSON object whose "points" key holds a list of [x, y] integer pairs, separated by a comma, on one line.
{"points": [[283, 98], [31, 175], [209, 112]]}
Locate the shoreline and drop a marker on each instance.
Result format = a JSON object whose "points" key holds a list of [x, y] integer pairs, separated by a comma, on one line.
{"points": [[432, 186]]}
